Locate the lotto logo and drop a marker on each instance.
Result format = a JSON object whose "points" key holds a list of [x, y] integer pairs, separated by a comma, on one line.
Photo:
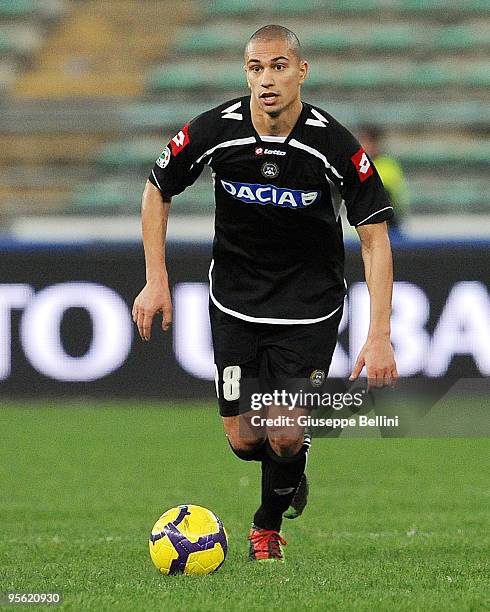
{"points": [[261, 151], [180, 140], [362, 164]]}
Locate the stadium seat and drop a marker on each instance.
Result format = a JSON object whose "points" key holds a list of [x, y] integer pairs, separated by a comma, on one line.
{"points": [[123, 196], [418, 64], [170, 116], [439, 154], [248, 7], [339, 38], [142, 153], [462, 38], [213, 39], [15, 8], [373, 74], [21, 8], [429, 6], [5, 43], [130, 153], [448, 196], [18, 39], [108, 195]]}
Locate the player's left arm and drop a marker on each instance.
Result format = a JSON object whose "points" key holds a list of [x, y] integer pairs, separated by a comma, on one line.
{"points": [[377, 353]]}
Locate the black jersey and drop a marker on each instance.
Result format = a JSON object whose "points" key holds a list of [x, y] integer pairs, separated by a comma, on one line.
{"points": [[278, 253]]}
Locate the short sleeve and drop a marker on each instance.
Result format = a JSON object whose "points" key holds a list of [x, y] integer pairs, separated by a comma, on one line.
{"points": [[365, 197], [179, 164]]}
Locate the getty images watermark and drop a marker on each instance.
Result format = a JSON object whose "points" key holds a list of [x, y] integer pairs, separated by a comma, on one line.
{"points": [[414, 407], [307, 399], [311, 401]]}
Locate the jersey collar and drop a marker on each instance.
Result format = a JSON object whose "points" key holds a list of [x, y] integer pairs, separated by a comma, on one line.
{"points": [[247, 115]]}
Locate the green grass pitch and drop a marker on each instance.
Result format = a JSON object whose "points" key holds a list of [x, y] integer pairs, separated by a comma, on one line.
{"points": [[391, 524]]}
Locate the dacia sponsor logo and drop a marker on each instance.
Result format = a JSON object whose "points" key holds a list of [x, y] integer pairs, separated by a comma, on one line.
{"points": [[269, 194]]}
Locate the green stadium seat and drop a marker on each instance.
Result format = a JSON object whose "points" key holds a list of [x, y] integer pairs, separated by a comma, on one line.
{"points": [[461, 37], [245, 7], [108, 195], [444, 6], [5, 43], [448, 196], [21, 8], [440, 154], [214, 39], [391, 38], [278, 7], [151, 115], [130, 153], [15, 8], [479, 76], [370, 74], [191, 76], [142, 154], [339, 38], [18, 39], [125, 197], [171, 116]]}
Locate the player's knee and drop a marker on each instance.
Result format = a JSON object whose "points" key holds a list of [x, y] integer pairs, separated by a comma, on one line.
{"points": [[247, 450], [245, 443], [286, 446]]}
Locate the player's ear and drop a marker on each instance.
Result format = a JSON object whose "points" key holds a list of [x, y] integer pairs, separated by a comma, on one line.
{"points": [[303, 71], [246, 76]]}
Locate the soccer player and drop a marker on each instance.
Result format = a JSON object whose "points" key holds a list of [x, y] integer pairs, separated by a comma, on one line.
{"points": [[281, 169]]}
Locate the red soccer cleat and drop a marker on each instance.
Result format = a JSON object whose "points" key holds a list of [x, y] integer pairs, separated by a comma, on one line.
{"points": [[265, 545]]}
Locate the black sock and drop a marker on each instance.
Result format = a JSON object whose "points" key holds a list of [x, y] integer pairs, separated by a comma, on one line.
{"points": [[280, 479]]}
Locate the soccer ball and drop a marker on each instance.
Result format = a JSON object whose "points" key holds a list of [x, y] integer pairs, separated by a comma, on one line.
{"points": [[188, 540]]}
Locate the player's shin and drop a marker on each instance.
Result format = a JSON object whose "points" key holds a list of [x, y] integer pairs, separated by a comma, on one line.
{"points": [[281, 477]]}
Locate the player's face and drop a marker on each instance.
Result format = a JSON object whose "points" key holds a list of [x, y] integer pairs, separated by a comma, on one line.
{"points": [[274, 75], [369, 144]]}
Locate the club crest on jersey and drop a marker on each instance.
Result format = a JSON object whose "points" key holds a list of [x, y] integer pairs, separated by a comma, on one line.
{"points": [[251, 193], [317, 378], [270, 169], [180, 140], [362, 164], [164, 158]]}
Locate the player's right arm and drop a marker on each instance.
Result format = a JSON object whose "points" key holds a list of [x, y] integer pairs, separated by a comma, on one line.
{"points": [[155, 295], [178, 166]]}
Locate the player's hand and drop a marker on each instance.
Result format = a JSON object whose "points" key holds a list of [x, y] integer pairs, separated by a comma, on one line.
{"points": [[154, 297], [379, 359]]}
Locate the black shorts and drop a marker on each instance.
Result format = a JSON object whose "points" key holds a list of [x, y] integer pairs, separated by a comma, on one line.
{"points": [[244, 350]]}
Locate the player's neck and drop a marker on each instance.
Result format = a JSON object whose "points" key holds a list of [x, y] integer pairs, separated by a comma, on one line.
{"points": [[281, 125]]}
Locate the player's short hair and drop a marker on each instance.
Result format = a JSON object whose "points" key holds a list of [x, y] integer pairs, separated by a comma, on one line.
{"points": [[274, 32]]}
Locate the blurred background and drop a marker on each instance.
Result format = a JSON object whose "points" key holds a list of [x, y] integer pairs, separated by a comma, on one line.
{"points": [[91, 92]]}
